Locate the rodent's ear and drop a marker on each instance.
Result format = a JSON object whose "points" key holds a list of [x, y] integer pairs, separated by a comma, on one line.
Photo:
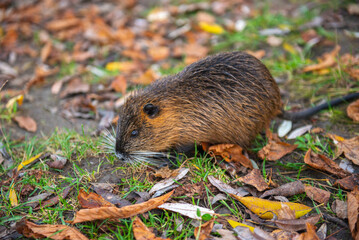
{"points": [[151, 110]]}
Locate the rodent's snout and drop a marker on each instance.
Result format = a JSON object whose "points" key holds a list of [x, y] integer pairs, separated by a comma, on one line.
{"points": [[119, 151]]}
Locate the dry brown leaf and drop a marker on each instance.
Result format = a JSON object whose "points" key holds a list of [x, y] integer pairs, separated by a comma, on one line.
{"points": [[350, 147], [353, 72], [119, 84], [141, 232], [348, 183], [75, 86], [353, 212], [148, 77], [85, 215], [59, 232], [55, 200], [42, 71], [275, 150], [231, 153], [321, 162], [10, 38], [165, 172], [353, 110], [203, 232], [46, 51], [159, 53], [288, 189], [310, 234], [340, 208], [26, 123], [296, 224], [317, 194], [258, 54], [58, 163], [92, 200], [326, 61], [255, 179], [63, 23]]}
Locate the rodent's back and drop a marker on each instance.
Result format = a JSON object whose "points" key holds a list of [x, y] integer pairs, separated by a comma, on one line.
{"points": [[225, 98]]}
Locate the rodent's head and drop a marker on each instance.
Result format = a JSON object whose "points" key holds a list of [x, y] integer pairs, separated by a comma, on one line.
{"points": [[143, 129]]}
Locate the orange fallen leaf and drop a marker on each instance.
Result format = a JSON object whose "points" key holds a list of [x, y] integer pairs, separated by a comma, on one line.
{"points": [[57, 25], [26, 123], [350, 147], [119, 84], [257, 54], [353, 110], [146, 78], [326, 61], [348, 183], [141, 232], [231, 153], [92, 200], [85, 215], [203, 232], [159, 53], [59, 232], [321, 162], [46, 51], [310, 234], [353, 212], [275, 150], [255, 179], [42, 71]]}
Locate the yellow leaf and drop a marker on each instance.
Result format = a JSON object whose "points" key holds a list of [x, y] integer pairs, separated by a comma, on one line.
{"points": [[18, 99], [23, 164], [12, 196], [120, 66], [236, 224], [265, 208], [289, 48], [211, 28]]}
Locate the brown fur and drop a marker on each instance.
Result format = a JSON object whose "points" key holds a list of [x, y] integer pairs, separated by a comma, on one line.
{"points": [[225, 98]]}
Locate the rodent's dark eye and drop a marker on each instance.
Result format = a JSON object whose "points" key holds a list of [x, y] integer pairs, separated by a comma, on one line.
{"points": [[134, 133]]}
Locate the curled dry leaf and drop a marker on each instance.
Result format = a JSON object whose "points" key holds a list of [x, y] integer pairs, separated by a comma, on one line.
{"points": [[54, 200], [275, 150], [226, 188], [326, 61], [296, 224], [310, 234], [59, 232], [141, 232], [321, 162], [353, 212], [265, 208], [85, 215], [92, 200], [146, 78], [26, 123], [255, 179], [353, 111], [168, 182], [203, 232], [46, 51], [231, 153], [317, 194], [288, 189]]}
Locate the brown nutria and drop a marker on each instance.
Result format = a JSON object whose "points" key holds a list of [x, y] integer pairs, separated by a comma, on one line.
{"points": [[225, 98]]}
